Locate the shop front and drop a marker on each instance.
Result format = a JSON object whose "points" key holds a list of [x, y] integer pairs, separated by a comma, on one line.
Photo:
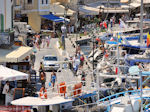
{"points": [[14, 81]]}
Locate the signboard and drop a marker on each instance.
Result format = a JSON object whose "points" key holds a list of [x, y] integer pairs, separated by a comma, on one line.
{"points": [[19, 93]]}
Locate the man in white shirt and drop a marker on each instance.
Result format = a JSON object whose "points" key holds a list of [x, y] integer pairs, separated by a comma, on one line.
{"points": [[76, 63], [5, 90]]}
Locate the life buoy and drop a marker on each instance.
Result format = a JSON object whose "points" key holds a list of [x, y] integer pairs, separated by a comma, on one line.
{"points": [[43, 93], [77, 89], [62, 88]]}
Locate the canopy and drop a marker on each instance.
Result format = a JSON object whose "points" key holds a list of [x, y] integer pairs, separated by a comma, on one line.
{"points": [[132, 62], [59, 10], [36, 101], [89, 10], [53, 18], [124, 1], [11, 75], [15, 54], [134, 46]]}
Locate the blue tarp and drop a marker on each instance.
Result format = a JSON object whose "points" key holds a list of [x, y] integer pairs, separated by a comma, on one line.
{"points": [[53, 18], [111, 42], [136, 37], [132, 46], [132, 62]]}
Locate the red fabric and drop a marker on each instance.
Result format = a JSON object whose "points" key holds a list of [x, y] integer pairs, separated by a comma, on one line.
{"points": [[82, 58], [116, 71], [105, 25], [97, 39], [101, 24]]}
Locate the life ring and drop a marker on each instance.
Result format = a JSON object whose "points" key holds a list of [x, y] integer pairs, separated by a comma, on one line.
{"points": [[43, 94], [77, 89], [62, 88]]}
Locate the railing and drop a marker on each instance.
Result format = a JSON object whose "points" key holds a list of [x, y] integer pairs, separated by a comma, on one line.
{"points": [[115, 96], [69, 90]]}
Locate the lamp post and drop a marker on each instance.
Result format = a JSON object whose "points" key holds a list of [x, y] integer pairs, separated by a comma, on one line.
{"points": [[77, 24], [93, 40], [64, 29]]}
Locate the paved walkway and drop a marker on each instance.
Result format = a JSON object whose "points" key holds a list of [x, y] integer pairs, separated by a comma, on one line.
{"points": [[71, 51]]}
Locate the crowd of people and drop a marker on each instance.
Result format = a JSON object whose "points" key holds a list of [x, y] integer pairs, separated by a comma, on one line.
{"points": [[38, 41]]}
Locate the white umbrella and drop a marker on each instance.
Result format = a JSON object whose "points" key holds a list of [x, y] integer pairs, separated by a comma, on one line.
{"points": [[11, 75]]}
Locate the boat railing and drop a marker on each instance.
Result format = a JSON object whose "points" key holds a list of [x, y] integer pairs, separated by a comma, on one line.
{"points": [[104, 101], [147, 106], [70, 91]]}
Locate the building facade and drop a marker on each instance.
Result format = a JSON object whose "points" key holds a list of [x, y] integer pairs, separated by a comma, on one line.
{"points": [[5, 15], [33, 9]]}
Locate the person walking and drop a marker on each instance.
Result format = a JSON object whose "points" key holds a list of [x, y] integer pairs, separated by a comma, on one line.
{"points": [[53, 79], [32, 58], [81, 60], [76, 63], [43, 42], [41, 69], [47, 41], [5, 91], [43, 77]]}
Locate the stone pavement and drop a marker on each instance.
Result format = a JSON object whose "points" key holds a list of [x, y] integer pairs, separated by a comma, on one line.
{"points": [[87, 68]]}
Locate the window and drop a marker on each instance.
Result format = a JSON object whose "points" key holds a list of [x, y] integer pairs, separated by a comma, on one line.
{"points": [[42, 1], [46, 1], [29, 1]]}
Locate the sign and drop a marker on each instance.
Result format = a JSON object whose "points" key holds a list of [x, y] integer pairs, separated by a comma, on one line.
{"points": [[19, 93]]}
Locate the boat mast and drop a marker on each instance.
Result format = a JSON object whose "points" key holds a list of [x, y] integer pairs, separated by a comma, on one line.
{"points": [[141, 42], [141, 24]]}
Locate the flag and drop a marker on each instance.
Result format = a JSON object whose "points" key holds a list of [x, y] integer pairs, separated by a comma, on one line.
{"points": [[119, 38], [148, 39]]}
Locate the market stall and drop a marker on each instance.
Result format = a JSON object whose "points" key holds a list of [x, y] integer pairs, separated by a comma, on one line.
{"points": [[7, 74]]}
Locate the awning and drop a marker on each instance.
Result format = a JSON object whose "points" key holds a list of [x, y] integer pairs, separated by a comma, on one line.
{"points": [[134, 5], [36, 101], [53, 18], [59, 10], [89, 10], [144, 1], [116, 10], [15, 54], [124, 1], [95, 11], [11, 75]]}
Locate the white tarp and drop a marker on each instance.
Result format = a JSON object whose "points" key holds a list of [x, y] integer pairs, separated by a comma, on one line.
{"points": [[89, 10], [11, 75], [36, 101], [59, 10], [144, 1], [134, 5]]}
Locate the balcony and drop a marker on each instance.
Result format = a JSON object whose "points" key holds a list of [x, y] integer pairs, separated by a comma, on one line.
{"points": [[6, 39]]}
